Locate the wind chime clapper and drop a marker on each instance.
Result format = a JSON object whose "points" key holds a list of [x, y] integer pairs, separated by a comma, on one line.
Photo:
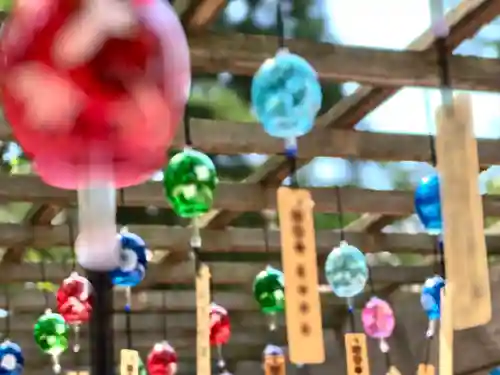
{"points": [[303, 312], [467, 263], [97, 245]]}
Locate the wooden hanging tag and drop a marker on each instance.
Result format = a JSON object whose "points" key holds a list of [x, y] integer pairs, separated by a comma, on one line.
{"points": [[426, 369], [274, 364], [203, 358], [129, 362], [463, 234], [303, 306], [356, 354], [446, 333]]}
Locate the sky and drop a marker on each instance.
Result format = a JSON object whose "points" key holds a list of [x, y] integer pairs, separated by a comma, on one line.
{"points": [[412, 109]]}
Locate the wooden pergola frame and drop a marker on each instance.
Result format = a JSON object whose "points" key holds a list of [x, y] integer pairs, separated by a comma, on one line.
{"points": [[385, 72]]}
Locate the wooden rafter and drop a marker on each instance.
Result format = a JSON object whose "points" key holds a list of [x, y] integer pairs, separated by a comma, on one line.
{"points": [[234, 240], [229, 197], [235, 138], [243, 54]]}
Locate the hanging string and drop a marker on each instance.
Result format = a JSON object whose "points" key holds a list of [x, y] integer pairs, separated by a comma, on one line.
{"points": [[7, 309], [128, 328], [290, 143], [43, 273], [340, 216], [71, 235], [187, 127], [441, 31], [164, 322]]}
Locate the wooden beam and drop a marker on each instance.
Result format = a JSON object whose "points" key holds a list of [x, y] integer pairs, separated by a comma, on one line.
{"points": [[237, 241], [223, 273], [243, 54], [228, 197], [235, 138]]}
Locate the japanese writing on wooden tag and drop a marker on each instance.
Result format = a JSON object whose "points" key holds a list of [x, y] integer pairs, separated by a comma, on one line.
{"points": [[356, 354], [129, 362], [203, 358], [303, 306]]}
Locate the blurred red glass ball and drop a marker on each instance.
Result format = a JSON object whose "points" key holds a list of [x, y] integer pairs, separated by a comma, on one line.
{"points": [[94, 82], [162, 360], [220, 327], [74, 299]]}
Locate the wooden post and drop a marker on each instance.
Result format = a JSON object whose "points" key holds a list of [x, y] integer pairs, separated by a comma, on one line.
{"points": [[463, 233], [203, 359], [446, 333]]}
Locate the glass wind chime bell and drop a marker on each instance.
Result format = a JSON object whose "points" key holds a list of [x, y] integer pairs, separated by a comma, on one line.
{"points": [[220, 332], [11, 358], [286, 97], [74, 303], [133, 264], [428, 204], [269, 292], [430, 299], [162, 360], [51, 334], [378, 321], [190, 180], [346, 271]]}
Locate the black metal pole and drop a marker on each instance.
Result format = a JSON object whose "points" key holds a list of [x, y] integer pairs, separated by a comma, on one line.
{"points": [[101, 325]]}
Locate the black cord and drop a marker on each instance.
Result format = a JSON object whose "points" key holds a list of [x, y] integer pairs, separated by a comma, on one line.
{"points": [[128, 327], [71, 235], [352, 318], [43, 273], [280, 24], [440, 29], [164, 322], [187, 127], [340, 216], [7, 309]]}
